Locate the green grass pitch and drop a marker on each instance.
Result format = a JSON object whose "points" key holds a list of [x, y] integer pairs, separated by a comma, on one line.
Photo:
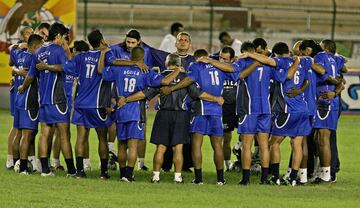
{"points": [[59, 191]]}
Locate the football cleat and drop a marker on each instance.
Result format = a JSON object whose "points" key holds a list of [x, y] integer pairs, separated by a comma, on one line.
{"points": [[244, 183], [80, 175], [49, 174], [104, 176], [197, 182], [124, 179], [274, 181], [221, 182], [179, 180]]}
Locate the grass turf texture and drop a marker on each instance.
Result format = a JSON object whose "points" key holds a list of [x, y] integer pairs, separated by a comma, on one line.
{"points": [[34, 191]]}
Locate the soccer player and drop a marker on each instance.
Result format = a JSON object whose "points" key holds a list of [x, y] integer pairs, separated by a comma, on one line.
{"points": [[261, 47], [15, 135], [328, 104], [207, 119], [253, 108], [129, 80], [43, 30], [168, 43], [307, 49], [122, 51], [171, 124], [26, 102], [229, 118], [290, 112], [53, 104], [183, 46], [226, 40], [92, 97]]}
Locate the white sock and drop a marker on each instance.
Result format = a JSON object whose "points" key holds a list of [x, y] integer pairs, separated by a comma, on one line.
{"points": [[303, 175], [10, 157], [287, 174], [227, 164], [156, 175], [238, 145], [177, 176], [55, 162], [141, 162], [111, 146], [87, 162], [325, 173]]}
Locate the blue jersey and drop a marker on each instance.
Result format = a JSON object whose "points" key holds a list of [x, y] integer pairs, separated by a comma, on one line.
{"points": [[253, 92], [120, 51], [18, 80], [159, 58], [310, 91], [332, 65], [283, 102], [29, 99], [51, 84], [129, 80], [211, 80], [92, 92]]}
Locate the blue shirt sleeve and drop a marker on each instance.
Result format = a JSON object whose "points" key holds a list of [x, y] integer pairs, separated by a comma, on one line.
{"points": [[33, 72], [71, 67], [109, 58], [193, 72], [13, 54], [152, 79], [61, 56], [340, 62], [109, 73]]}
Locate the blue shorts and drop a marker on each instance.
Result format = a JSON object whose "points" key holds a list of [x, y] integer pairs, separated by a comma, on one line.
{"points": [[325, 119], [91, 117], [207, 125], [254, 123], [290, 124], [130, 130], [310, 124], [52, 114], [26, 119]]}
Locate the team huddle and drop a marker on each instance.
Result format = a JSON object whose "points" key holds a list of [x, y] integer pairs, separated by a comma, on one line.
{"points": [[267, 96]]}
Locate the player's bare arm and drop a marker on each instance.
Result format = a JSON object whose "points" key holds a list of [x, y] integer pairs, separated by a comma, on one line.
{"points": [[220, 65], [259, 57], [249, 69], [293, 68], [295, 92]]}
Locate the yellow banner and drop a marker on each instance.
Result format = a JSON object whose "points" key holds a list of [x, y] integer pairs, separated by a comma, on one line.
{"points": [[14, 14]]}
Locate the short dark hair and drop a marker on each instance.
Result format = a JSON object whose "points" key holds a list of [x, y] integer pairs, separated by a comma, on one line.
{"points": [[260, 42], [228, 49], [133, 34], [137, 53], [200, 52], [330, 45], [34, 39], [81, 45], [310, 44], [43, 25], [173, 60], [280, 48], [95, 38], [222, 34], [247, 46], [175, 27], [55, 29]]}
